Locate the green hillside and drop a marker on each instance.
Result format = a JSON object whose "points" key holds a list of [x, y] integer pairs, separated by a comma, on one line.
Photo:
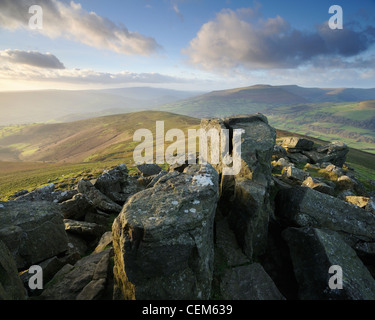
{"points": [[329, 114]]}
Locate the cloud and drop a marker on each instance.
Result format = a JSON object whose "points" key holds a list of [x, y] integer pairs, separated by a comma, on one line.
{"points": [[234, 40], [19, 65], [31, 58], [71, 21]]}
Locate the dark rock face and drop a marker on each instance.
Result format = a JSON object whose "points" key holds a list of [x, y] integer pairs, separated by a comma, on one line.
{"points": [[164, 246], [311, 266], [77, 208], [11, 287], [33, 231], [249, 282]]}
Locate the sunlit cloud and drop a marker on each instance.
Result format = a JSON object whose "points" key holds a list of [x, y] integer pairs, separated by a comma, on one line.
{"points": [[73, 22]]}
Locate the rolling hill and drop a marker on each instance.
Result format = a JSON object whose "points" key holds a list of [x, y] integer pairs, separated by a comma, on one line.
{"points": [[330, 114], [93, 139]]}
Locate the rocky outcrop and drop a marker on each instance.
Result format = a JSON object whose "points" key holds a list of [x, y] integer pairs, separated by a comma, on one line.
{"points": [[33, 231], [326, 249], [164, 246], [245, 197]]}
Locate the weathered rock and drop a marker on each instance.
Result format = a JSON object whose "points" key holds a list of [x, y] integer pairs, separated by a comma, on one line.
{"points": [[249, 216], [295, 144], [86, 230], [282, 162], [156, 178], [335, 169], [117, 185], [47, 193], [313, 252], [11, 286], [334, 152], [164, 246], [361, 202], [104, 241], [71, 281], [278, 152], [99, 200], [101, 218], [346, 183], [246, 195], [318, 186], [227, 246], [77, 244], [370, 207], [148, 170], [298, 158], [295, 174], [40, 194], [249, 282], [77, 208], [50, 267], [307, 207], [258, 140], [33, 231]]}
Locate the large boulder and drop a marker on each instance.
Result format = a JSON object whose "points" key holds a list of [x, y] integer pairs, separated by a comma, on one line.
{"points": [[296, 144], [11, 286], [99, 200], [313, 252], [77, 208], [86, 280], [33, 231], [335, 153], [163, 238], [304, 207], [117, 185]]}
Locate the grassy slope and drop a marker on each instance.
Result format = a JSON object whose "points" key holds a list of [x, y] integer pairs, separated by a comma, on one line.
{"points": [[83, 149], [16, 176]]}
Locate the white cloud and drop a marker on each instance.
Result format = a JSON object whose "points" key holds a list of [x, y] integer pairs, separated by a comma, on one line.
{"points": [[17, 65], [243, 40], [73, 22]]}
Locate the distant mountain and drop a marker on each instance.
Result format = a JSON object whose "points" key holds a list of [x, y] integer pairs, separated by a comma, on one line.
{"points": [[68, 105]]}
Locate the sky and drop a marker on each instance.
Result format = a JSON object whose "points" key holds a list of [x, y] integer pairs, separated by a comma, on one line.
{"points": [[194, 45]]}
